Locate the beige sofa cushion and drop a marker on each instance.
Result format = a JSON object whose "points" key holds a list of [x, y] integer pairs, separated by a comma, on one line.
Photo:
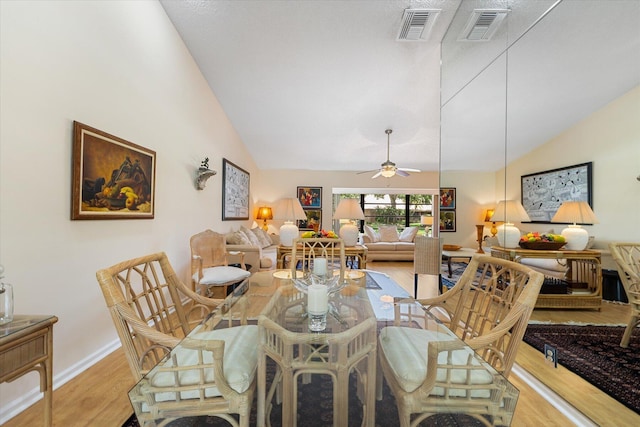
{"points": [[408, 234], [388, 233], [237, 238], [372, 234]]}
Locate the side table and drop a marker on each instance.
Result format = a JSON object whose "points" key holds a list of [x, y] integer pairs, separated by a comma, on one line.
{"points": [[355, 256], [26, 344]]}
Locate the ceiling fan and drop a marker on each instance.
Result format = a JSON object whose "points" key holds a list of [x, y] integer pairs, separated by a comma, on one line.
{"points": [[388, 168]]}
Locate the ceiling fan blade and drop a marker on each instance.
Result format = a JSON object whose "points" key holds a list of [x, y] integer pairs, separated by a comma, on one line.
{"points": [[409, 170], [377, 175], [400, 172], [369, 171]]}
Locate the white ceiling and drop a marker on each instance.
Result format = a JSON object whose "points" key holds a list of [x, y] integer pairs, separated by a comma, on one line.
{"points": [[314, 84]]}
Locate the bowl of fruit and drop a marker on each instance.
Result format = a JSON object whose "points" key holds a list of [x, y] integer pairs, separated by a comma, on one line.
{"points": [[537, 241]]}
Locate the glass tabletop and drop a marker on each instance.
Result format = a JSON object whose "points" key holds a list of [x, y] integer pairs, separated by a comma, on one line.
{"points": [[271, 295]]}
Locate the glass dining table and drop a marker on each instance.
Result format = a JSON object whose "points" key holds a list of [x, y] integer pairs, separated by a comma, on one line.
{"points": [[345, 352]]}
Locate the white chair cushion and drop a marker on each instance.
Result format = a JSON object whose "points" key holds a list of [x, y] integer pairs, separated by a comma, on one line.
{"points": [[406, 351], [240, 363], [221, 275]]}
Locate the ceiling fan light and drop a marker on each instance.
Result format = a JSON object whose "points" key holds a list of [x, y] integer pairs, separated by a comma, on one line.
{"points": [[388, 173]]}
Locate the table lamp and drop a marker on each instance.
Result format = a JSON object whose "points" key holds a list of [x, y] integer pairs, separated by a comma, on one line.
{"points": [[289, 210], [509, 211], [487, 218], [572, 213], [427, 221], [264, 213], [349, 209]]}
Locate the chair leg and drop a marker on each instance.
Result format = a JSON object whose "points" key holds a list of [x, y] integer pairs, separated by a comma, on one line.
{"points": [[633, 322]]}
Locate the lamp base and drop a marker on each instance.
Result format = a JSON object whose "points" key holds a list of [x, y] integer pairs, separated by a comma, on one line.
{"points": [[508, 235], [288, 232], [349, 233], [577, 238]]}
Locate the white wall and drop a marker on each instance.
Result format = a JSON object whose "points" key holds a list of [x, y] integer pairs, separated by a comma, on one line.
{"points": [[121, 67]]}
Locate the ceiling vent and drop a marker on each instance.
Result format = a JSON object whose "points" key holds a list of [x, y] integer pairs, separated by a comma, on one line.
{"points": [[417, 24], [483, 24]]}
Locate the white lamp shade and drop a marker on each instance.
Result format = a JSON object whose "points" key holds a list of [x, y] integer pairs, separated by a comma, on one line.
{"points": [[348, 209], [573, 212], [426, 220]]}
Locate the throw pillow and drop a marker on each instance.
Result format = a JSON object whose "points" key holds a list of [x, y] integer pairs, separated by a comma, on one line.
{"points": [[252, 237], [388, 233], [262, 236], [408, 234], [372, 234], [237, 238]]}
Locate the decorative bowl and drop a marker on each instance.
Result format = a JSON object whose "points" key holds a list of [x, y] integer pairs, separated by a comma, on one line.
{"points": [[332, 281], [542, 246], [451, 247]]}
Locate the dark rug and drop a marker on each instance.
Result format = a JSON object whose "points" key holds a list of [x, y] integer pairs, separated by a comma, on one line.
{"points": [[594, 353]]}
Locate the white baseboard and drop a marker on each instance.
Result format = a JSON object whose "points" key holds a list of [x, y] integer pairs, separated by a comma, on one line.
{"points": [[11, 408]]}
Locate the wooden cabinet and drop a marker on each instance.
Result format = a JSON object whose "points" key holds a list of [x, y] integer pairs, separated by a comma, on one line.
{"points": [[583, 274]]}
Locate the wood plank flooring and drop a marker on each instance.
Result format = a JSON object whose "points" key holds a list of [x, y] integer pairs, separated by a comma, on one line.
{"points": [[98, 396]]}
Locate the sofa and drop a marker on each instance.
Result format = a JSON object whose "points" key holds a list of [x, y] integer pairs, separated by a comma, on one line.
{"points": [[386, 244], [259, 247]]}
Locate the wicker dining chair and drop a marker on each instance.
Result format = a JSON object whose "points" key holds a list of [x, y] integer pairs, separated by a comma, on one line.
{"points": [[430, 374], [427, 258], [305, 251], [210, 373], [210, 269], [627, 257]]}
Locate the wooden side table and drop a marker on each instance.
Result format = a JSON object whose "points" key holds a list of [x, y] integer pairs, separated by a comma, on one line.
{"points": [[26, 344], [582, 267]]}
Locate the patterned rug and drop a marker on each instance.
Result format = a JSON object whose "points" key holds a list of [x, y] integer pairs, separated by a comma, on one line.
{"points": [[594, 353], [457, 268]]}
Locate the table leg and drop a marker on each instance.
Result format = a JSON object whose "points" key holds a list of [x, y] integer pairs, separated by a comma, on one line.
{"points": [[449, 265]]}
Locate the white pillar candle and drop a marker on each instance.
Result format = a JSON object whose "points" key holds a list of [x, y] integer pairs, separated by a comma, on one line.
{"points": [[318, 299], [320, 266]]}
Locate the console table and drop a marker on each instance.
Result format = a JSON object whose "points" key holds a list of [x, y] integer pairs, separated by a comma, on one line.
{"points": [[584, 269], [356, 256], [26, 344]]}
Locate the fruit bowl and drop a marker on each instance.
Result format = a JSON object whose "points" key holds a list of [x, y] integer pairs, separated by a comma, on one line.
{"points": [[540, 245]]}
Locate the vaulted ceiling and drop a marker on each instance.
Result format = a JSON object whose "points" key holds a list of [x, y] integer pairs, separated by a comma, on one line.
{"points": [[314, 84]]}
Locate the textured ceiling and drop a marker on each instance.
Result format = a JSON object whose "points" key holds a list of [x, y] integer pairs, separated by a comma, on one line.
{"points": [[322, 80]]}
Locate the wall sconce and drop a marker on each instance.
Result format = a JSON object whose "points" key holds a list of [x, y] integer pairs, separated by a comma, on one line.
{"points": [[264, 213], [203, 174]]}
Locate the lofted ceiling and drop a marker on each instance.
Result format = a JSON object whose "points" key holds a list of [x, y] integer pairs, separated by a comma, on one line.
{"points": [[314, 84]]}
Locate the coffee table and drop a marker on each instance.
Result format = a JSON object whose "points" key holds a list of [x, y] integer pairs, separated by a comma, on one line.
{"points": [[463, 254]]}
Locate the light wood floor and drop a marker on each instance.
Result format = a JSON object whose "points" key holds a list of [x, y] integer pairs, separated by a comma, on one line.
{"points": [[98, 396]]}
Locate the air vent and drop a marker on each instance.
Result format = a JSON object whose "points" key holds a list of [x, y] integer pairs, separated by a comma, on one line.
{"points": [[417, 24], [483, 24]]}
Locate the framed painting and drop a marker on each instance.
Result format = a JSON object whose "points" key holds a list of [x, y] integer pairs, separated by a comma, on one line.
{"points": [[235, 192], [543, 192], [313, 221], [112, 178], [447, 198], [447, 221], [310, 197]]}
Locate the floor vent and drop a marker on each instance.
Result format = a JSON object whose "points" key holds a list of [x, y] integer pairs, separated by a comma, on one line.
{"points": [[417, 24], [483, 24]]}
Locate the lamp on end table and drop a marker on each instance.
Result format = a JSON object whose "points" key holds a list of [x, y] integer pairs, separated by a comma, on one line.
{"points": [[349, 209], [290, 210]]}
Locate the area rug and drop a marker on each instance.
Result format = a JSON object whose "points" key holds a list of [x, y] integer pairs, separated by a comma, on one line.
{"points": [[594, 353], [457, 268]]}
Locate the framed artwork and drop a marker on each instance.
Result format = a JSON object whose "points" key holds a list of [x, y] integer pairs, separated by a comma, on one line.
{"points": [[543, 192], [310, 197], [112, 178], [447, 221], [235, 192], [313, 221], [447, 198]]}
